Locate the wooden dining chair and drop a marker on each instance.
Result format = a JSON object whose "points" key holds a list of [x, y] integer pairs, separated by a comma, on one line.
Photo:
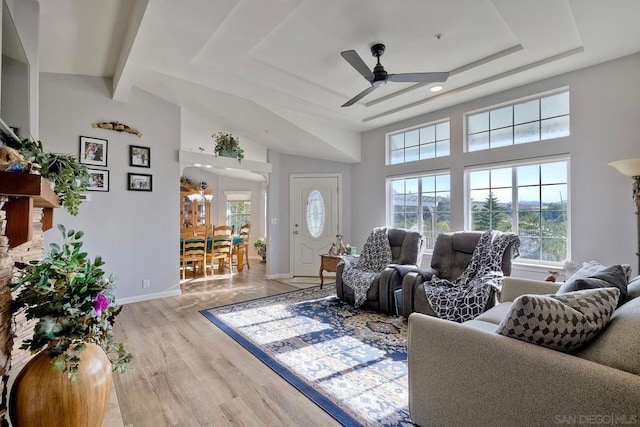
{"points": [[221, 248], [245, 232], [193, 251]]}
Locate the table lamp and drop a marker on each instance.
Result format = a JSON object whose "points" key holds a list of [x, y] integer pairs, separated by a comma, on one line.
{"points": [[631, 168]]}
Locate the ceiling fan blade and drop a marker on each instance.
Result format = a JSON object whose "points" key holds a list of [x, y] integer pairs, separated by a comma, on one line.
{"points": [[356, 62], [418, 77], [359, 96]]}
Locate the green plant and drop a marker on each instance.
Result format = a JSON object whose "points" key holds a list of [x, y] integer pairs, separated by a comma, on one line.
{"points": [[226, 142], [70, 178], [261, 247], [74, 304]]}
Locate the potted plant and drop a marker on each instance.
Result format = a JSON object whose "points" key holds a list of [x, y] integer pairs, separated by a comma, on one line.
{"points": [[69, 177], [261, 248], [73, 303], [227, 145]]}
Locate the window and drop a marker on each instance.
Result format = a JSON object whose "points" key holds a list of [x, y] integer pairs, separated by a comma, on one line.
{"points": [[421, 203], [238, 208], [315, 213], [545, 117], [530, 199], [422, 143]]}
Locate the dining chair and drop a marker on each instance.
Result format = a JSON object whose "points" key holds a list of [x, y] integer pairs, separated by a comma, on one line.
{"points": [[245, 231], [221, 248], [193, 251]]}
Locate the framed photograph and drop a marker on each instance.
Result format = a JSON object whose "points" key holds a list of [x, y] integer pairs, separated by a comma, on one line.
{"points": [[93, 151], [98, 180], [139, 156], [139, 182]]}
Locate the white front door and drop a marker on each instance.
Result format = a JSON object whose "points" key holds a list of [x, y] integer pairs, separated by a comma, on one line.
{"points": [[315, 219]]}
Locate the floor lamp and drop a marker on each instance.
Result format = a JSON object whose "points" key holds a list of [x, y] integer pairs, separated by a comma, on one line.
{"points": [[631, 168]]}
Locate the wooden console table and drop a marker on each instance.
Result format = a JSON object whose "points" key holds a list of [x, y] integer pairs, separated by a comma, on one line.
{"points": [[328, 263]]}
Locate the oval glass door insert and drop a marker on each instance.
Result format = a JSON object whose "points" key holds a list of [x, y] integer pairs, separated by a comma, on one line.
{"points": [[315, 213]]}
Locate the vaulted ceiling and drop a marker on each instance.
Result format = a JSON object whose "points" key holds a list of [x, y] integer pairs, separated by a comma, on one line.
{"points": [[271, 70]]}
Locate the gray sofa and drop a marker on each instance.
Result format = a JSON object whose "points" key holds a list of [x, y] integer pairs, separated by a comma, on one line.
{"points": [[406, 250], [467, 375]]}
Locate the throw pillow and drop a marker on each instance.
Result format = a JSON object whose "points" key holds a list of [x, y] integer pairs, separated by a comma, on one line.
{"points": [[586, 270], [564, 322], [610, 277]]}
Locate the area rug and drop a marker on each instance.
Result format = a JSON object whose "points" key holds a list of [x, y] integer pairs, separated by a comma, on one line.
{"points": [[351, 363]]}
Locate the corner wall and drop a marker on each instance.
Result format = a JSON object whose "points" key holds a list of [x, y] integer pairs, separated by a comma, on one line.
{"points": [[135, 232]]}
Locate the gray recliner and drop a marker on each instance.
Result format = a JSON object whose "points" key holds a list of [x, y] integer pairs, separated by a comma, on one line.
{"points": [[406, 250], [451, 256]]}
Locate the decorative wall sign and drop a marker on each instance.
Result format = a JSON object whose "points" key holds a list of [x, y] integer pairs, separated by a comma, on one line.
{"points": [[117, 126], [98, 180], [139, 182], [93, 151], [139, 156]]}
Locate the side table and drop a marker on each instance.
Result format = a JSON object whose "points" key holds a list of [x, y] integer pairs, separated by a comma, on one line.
{"points": [[328, 263]]}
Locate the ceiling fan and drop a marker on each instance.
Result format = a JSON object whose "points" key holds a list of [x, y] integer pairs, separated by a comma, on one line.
{"points": [[379, 77]]}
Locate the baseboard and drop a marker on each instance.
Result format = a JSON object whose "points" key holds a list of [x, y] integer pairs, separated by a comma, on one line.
{"points": [[279, 276], [147, 297]]}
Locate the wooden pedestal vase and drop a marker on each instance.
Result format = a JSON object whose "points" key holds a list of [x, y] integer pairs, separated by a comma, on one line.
{"points": [[43, 396]]}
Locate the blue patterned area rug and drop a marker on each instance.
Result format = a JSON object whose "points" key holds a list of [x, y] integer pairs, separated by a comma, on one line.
{"points": [[351, 363]]}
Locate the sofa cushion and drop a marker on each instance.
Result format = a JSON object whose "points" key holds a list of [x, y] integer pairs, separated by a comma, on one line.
{"points": [[564, 322], [606, 277], [633, 288], [618, 345], [496, 314]]}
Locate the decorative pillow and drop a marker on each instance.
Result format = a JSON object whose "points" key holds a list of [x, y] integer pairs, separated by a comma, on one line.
{"points": [[610, 277], [564, 322], [585, 270]]}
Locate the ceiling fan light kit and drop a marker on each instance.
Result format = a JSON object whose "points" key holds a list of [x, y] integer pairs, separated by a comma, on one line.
{"points": [[379, 77]]}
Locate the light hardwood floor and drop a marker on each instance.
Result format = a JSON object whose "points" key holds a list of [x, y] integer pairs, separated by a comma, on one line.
{"points": [[187, 372]]}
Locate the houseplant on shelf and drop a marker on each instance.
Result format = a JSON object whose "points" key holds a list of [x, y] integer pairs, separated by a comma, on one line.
{"points": [[74, 303], [227, 145], [69, 177]]}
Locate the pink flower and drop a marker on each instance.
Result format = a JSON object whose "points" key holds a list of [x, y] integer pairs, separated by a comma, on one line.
{"points": [[101, 303]]}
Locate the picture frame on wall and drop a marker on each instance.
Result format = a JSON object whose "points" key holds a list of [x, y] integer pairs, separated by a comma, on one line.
{"points": [[93, 151], [98, 180], [139, 157], [139, 182]]}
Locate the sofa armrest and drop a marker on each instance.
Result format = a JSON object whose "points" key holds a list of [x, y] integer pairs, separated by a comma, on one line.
{"points": [[513, 287], [475, 377]]}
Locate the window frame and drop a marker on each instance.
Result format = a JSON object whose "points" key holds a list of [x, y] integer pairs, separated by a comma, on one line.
{"points": [[512, 103], [433, 124], [389, 200], [468, 218]]}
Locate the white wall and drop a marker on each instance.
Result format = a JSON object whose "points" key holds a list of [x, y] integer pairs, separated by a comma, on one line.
{"points": [[605, 114], [278, 255], [135, 232]]}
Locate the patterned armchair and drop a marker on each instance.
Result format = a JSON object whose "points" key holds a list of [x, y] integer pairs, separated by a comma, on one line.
{"points": [[406, 250]]}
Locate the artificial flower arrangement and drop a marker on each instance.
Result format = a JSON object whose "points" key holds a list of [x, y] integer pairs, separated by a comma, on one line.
{"points": [[74, 304], [225, 142]]}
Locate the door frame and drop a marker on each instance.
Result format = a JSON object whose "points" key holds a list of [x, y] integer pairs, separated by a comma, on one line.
{"points": [[294, 176]]}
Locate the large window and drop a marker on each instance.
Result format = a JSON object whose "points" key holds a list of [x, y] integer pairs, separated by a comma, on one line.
{"points": [[530, 199], [421, 143], [544, 117], [238, 209], [421, 203]]}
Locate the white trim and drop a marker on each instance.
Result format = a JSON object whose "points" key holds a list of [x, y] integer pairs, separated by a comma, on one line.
{"points": [[279, 276], [147, 297]]}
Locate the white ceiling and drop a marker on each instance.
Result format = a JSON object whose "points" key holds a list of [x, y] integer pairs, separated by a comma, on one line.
{"points": [[271, 70]]}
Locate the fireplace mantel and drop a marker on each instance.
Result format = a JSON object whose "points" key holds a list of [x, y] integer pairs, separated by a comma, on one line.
{"points": [[26, 192]]}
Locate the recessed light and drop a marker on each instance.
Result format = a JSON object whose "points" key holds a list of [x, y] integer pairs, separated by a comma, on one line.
{"points": [[197, 165], [436, 89], [207, 166]]}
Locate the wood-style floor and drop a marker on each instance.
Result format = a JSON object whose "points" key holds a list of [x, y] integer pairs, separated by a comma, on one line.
{"points": [[187, 372]]}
